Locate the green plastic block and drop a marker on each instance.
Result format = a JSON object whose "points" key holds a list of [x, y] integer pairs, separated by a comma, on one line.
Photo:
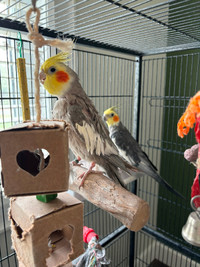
{"points": [[46, 198]]}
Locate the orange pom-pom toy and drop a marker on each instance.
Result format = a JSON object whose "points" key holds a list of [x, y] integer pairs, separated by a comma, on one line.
{"points": [[190, 115]]}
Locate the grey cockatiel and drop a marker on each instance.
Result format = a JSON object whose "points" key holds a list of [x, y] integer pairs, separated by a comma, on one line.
{"points": [[88, 135], [130, 150]]}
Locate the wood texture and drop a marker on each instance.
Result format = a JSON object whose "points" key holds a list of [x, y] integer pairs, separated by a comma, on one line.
{"points": [[128, 208], [21, 68]]}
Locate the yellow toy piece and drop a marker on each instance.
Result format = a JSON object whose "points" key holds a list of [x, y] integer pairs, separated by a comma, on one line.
{"points": [[21, 69]]}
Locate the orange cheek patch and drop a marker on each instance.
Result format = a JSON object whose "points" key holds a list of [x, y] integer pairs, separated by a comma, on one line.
{"points": [[62, 76], [116, 118]]}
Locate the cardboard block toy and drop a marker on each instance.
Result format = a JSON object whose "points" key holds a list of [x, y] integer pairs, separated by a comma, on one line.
{"points": [[34, 158], [46, 234]]}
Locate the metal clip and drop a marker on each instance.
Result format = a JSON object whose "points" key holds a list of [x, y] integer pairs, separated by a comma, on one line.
{"points": [[19, 44]]}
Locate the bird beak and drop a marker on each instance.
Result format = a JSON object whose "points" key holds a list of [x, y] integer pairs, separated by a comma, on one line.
{"points": [[42, 77]]}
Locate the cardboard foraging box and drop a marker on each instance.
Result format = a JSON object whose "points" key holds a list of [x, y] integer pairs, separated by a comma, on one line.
{"points": [[46, 234], [25, 168]]}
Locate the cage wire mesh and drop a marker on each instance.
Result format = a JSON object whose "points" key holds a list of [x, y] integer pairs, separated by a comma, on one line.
{"points": [[119, 250], [168, 82], [11, 112], [166, 25], [149, 248], [102, 82], [167, 36]]}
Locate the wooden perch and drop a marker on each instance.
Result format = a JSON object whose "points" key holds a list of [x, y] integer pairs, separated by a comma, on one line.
{"points": [[132, 211]]}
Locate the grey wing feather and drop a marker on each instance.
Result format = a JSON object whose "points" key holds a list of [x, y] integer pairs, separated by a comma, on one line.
{"points": [[82, 112], [126, 142]]}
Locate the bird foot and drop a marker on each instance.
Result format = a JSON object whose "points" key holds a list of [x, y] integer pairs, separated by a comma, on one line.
{"points": [[84, 175]]}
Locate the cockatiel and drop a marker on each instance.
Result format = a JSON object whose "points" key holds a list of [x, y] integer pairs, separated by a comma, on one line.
{"points": [[88, 135], [129, 149]]}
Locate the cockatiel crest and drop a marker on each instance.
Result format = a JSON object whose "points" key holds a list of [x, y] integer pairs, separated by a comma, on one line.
{"points": [[55, 75]]}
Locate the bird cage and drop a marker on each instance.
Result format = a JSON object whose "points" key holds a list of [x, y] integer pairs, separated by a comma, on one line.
{"points": [[144, 57]]}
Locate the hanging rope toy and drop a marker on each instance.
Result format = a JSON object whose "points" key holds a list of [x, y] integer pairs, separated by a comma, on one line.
{"points": [[38, 40], [95, 255]]}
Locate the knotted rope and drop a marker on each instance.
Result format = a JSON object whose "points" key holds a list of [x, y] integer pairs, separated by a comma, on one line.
{"points": [[94, 256], [38, 40]]}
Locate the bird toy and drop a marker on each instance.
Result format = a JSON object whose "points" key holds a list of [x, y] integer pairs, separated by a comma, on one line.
{"points": [[38, 40], [190, 117], [95, 255], [21, 69]]}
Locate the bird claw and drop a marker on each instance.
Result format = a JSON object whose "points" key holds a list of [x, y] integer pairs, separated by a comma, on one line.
{"points": [[85, 174], [83, 177]]}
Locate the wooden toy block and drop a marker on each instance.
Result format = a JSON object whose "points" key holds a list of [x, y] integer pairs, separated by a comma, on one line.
{"points": [[46, 234], [25, 171]]}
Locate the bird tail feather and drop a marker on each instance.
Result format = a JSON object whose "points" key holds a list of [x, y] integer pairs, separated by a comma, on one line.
{"points": [[162, 181], [151, 171]]}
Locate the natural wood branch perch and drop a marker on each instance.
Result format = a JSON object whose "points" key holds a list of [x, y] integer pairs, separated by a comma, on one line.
{"points": [[132, 211]]}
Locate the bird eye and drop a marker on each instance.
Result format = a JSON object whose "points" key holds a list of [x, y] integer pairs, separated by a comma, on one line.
{"points": [[112, 114], [52, 69]]}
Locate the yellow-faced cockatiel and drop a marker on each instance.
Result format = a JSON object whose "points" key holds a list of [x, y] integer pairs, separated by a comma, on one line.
{"points": [[129, 149], [88, 135]]}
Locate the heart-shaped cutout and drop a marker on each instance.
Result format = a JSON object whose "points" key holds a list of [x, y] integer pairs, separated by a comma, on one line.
{"points": [[33, 162]]}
